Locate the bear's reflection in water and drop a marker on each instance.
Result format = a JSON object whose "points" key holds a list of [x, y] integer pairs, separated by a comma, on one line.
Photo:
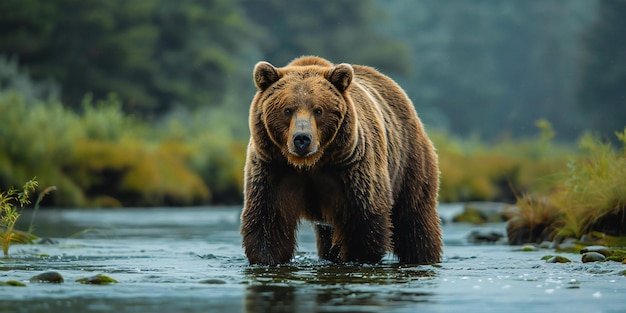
{"points": [[345, 288]]}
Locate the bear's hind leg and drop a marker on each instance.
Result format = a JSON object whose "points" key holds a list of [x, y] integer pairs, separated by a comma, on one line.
{"points": [[416, 228], [325, 248]]}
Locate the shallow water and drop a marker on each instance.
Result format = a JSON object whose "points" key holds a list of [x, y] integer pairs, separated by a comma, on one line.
{"points": [[191, 260]]}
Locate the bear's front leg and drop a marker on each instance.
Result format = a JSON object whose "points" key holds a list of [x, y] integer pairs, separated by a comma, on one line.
{"points": [[268, 238], [267, 225], [363, 226]]}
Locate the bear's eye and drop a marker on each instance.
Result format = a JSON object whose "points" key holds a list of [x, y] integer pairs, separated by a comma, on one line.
{"points": [[318, 112], [288, 111]]}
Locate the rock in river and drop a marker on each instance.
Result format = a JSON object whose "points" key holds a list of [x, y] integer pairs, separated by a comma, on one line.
{"points": [[480, 236], [47, 277], [97, 280], [600, 249], [558, 259], [593, 257]]}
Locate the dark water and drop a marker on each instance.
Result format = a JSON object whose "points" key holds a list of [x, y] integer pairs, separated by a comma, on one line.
{"points": [[191, 260]]}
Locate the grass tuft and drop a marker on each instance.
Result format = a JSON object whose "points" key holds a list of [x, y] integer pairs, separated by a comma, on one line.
{"points": [[12, 202], [589, 196]]}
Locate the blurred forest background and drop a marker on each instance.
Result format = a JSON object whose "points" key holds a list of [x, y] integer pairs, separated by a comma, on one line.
{"points": [[145, 103]]}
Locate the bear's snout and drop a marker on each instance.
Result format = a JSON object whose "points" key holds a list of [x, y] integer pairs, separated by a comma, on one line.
{"points": [[302, 141]]}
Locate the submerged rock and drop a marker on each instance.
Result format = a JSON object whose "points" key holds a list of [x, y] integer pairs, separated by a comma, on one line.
{"points": [[47, 241], [213, 281], [528, 248], [593, 257], [13, 283], [482, 236], [558, 259], [48, 277], [599, 249], [470, 215], [568, 245], [483, 212], [97, 280]]}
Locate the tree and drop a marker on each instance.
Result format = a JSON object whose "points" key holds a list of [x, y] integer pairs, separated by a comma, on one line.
{"points": [[341, 31], [602, 93], [155, 54], [492, 66]]}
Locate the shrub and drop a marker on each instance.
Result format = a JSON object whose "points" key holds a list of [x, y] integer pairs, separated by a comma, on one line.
{"points": [[589, 196], [12, 202], [472, 170]]}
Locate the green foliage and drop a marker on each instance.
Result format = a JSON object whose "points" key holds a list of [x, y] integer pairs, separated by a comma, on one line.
{"points": [[154, 54], [482, 67], [492, 67], [601, 91], [12, 202], [474, 171], [485, 69], [215, 152], [593, 188], [134, 173], [12, 283], [13, 78], [99, 279], [111, 159], [588, 196], [340, 30]]}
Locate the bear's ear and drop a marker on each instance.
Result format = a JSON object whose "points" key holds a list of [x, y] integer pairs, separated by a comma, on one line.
{"points": [[341, 76], [265, 74]]}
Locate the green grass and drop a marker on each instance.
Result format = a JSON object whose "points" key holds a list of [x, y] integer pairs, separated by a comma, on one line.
{"points": [[472, 170], [593, 188], [12, 202], [587, 197]]}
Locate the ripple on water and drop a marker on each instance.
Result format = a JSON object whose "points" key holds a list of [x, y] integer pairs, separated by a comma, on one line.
{"points": [[194, 261]]}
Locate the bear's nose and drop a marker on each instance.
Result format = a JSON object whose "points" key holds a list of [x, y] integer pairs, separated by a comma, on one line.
{"points": [[302, 142]]}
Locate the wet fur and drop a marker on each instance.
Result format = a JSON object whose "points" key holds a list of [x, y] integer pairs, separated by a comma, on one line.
{"points": [[370, 187]]}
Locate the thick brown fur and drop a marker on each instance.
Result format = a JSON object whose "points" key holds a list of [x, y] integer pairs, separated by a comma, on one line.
{"points": [[341, 146]]}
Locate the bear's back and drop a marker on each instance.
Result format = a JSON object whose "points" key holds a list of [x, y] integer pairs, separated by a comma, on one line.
{"points": [[310, 60], [403, 129]]}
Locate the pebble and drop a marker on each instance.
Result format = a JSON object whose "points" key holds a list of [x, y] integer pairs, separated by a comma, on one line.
{"points": [[47, 277], [489, 236], [47, 241], [97, 280], [528, 248], [567, 244], [213, 281], [593, 257], [558, 259], [546, 244], [599, 249], [13, 283]]}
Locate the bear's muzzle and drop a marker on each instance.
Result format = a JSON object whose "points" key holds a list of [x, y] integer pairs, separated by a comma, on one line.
{"points": [[302, 142]]}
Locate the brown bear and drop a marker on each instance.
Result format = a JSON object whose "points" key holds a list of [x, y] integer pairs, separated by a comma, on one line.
{"points": [[341, 146]]}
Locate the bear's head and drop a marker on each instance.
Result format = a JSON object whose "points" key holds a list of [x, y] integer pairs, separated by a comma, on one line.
{"points": [[302, 107]]}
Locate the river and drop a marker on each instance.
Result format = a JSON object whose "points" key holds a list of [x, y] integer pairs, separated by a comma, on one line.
{"points": [[191, 260]]}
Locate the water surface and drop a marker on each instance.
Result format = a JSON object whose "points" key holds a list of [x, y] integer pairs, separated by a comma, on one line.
{"points": [[191, 260]]}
